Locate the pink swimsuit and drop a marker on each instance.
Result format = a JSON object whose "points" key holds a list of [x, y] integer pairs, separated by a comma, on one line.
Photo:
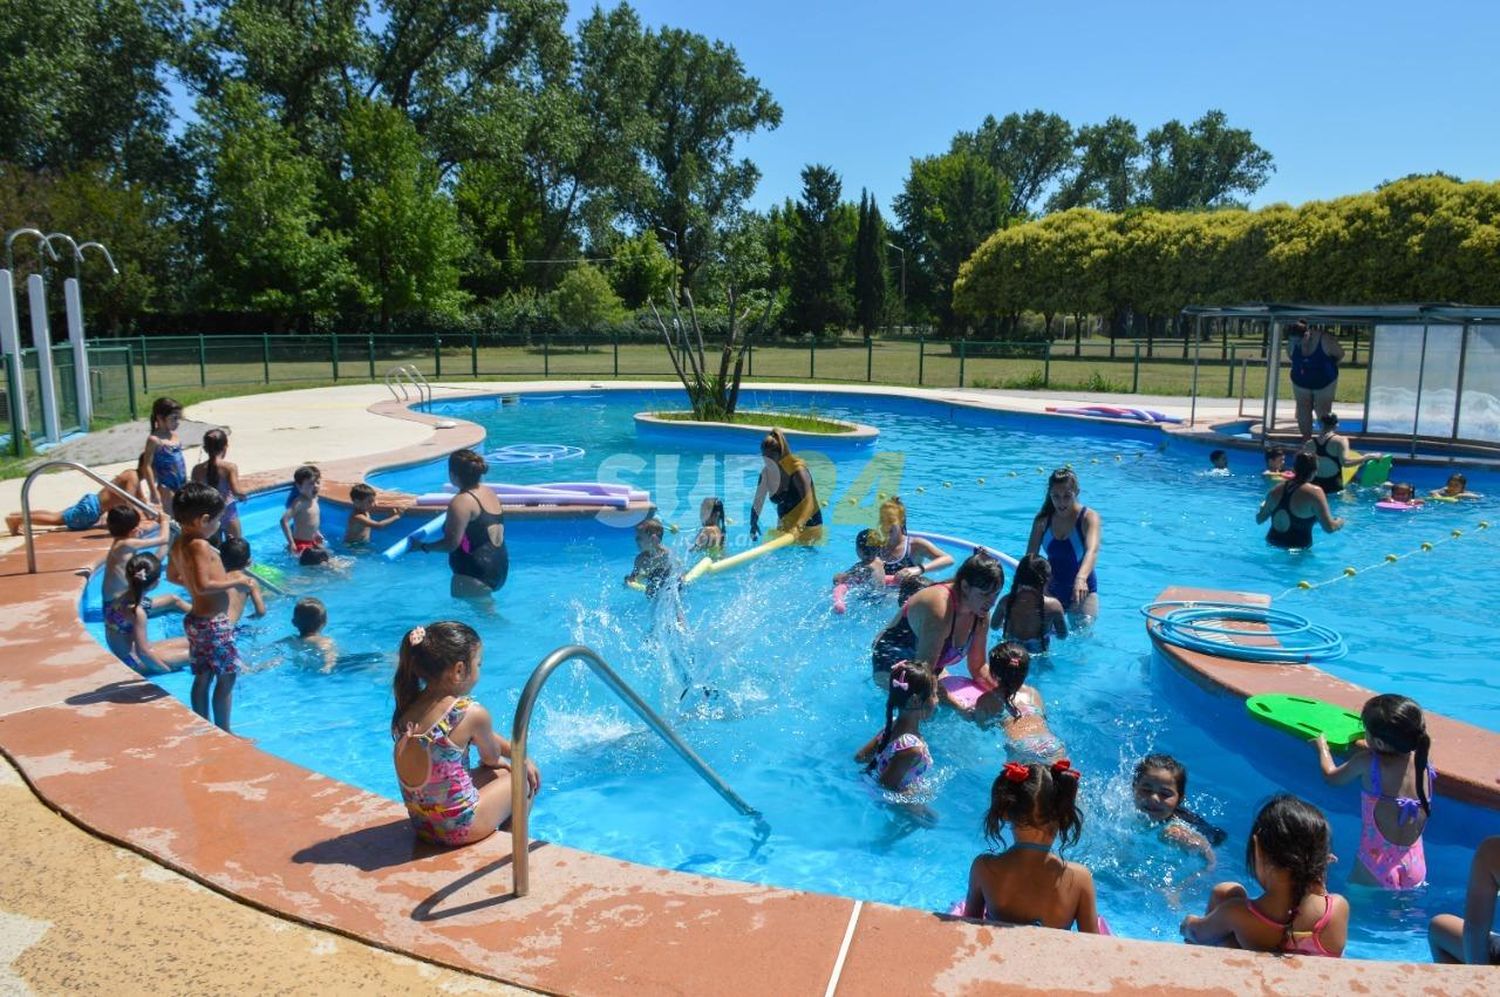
{"points": [[1394, 867], [442, 807], [1300, 942]]}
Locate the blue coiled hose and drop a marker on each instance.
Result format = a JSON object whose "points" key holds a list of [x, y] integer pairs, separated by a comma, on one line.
{"points": [[1203, 627]]}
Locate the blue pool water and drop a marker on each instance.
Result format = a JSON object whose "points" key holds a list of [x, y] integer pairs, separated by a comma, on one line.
{"points": [[795, 700]]}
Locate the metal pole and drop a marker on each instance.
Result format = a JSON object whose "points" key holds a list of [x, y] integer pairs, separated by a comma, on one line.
{"points": [[1416, 416], [921, 356], [202, 361], [869, 360], [520, 730], [130, 377], [1197, 348], [149, 512], [963, 349], [333, 353], [437, 355], [1135, 374], [1273, 372], [474, 353]]}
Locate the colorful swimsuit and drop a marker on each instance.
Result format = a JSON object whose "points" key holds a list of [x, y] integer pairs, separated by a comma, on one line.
{"points": [[83, 514], [211, 645], [169, 467], [1042, 747], [906, 742], [1394, 867], [1300, 942], [1066, 557], [898, 642], [904, 561], [442, 806]]}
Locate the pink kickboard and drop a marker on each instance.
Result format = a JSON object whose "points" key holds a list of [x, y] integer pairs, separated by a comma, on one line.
{"points": [[963, 691]]}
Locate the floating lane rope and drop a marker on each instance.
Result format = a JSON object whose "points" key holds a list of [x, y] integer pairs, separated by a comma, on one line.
{"points": [[1221, 628], [1351, 571]]}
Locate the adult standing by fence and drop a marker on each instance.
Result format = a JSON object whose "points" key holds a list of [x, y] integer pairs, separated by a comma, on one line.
{"points": [[1315, 356]]}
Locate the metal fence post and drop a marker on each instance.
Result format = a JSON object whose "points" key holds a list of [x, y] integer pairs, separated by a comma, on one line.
{"points": [[333, 353], [963, 350], [145, 383], [750, 363], [1230, 392], [1047, 364], [437, 355], [1135, 379], [615, 342], [546, 354], [265, 355], [869, 359], [921, 357], [474, 353], [202, 362], [370, 352], [812, 358], [130, 378], [14, 403]]}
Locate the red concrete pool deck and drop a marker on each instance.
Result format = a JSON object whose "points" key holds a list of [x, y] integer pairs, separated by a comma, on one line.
{"points": [[1467, 758], [125, 760]]}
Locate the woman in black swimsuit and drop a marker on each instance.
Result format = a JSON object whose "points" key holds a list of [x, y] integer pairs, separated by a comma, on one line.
{"points": [[474, 534], [1294, 505]]}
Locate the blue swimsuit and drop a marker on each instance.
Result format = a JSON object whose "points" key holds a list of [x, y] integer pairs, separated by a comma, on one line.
{"points": [[169, 467], [1313, 371], [1066, 557]]}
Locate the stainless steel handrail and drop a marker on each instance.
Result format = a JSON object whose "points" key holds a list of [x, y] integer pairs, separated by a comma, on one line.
{"points": [[521, 804], [419, 380], [396, 372], [26, 502], [402, 373]]}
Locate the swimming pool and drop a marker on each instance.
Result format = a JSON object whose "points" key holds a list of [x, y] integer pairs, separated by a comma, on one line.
{"points": [[795, 699]]}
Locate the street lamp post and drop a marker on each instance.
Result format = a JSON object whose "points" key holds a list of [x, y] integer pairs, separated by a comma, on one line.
{"points": [[892, 245]]}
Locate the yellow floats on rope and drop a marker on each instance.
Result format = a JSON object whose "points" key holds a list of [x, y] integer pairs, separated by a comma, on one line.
{"points": [[1349, 572]]}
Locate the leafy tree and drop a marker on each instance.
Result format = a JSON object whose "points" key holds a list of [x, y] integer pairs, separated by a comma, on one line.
{"points": [[871, 282], [584, 300], [702, 101], [1029, 151], [642, 270], [1204, 165], [406, 243], [1104, 173], [949, 205], [819, 295], [82, 83], [267, 249]]}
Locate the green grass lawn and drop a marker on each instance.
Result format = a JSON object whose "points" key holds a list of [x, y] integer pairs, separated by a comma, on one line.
{"points": [[798, 421]]}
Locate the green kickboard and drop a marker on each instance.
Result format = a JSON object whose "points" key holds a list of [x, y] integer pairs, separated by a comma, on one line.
{"points": [[1307, 718]]}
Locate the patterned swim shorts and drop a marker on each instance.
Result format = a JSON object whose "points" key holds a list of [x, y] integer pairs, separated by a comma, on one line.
{"points": [[211, 645]]}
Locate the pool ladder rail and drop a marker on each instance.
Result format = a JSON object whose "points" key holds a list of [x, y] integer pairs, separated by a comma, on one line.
{"points": [[146, 510], [519, 832], [402, 374]]}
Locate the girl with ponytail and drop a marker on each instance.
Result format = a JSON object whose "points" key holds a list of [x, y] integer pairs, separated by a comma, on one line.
{"points": [[1288, 853], [1395, 792], [898, 757], [125, 622], [435, 724], [216, 472], [1027, 883]]}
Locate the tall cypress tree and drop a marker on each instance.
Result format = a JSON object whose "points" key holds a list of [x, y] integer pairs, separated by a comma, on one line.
{"points": [[870, 278], [819, 262]]}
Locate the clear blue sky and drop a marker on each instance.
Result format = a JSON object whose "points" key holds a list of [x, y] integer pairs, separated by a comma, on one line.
{"points": [[1343, 95]]}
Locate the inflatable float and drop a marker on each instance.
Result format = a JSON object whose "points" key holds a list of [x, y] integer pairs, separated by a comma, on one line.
{"points": [[967, 546], [430, 530], [595, 493], [841, 593], [1307, 718], [1391, 505], [1115, 412], [708, 566], [268, 575]]}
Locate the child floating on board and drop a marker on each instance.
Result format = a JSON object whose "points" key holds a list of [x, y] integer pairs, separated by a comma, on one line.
{"points": [[1395, 792], [653, 564], [1276, 468], [711, 536], [125, 622], [1288, 854], [362, 519], [1027, 883], [303, 519], [1400, 493], [897, 757], [221, 474], [435, 725], [1160, 787], [1018, 706], [1456, 488]]}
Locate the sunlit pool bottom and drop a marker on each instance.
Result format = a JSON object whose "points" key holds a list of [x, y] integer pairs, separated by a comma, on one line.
{"points": [[793, 695]]}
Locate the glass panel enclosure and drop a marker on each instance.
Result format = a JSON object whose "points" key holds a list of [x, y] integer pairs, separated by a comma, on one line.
{"points": [[1479, 413]]}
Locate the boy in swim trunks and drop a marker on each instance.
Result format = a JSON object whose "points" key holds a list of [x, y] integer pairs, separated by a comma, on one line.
{"points": [[303, 517], [195, 565], [361, 520]]}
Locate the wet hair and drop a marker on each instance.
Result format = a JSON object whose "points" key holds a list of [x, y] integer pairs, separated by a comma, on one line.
{"points": [[122, 520], [1061, 476], [1010, 663], [313, 556], [307, 472], [1403, 486], [1398, 722], [1293, 836], [714, 514], [1217, 455], [309, 616], [467, 468], [142, 571], [651, 525], [775, 445], [1274, 453], [910, 586], [979, 571], [897, 509], [1037, 796], [425, 654], [235, 553], [1304, 469], [909, 680], [195, 501], [1178, 772], [1463, 481], [215, 442], [163, 409], [867, 544], [1033, 571], [361, 493], [1298, 326], [1330, 421]]}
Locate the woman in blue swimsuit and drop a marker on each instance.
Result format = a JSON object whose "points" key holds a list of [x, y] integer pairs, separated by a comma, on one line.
{"points": [[1315, 356], [1066, 532]]}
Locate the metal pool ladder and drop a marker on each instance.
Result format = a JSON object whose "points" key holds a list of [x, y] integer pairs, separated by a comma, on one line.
{"points": [[401, 374], [521, 805], [26, 502]]}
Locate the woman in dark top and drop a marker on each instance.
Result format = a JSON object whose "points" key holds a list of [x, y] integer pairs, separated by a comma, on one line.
{"points": [[474, 533], [1295, 505], [1315, 356], [786, 480]]}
